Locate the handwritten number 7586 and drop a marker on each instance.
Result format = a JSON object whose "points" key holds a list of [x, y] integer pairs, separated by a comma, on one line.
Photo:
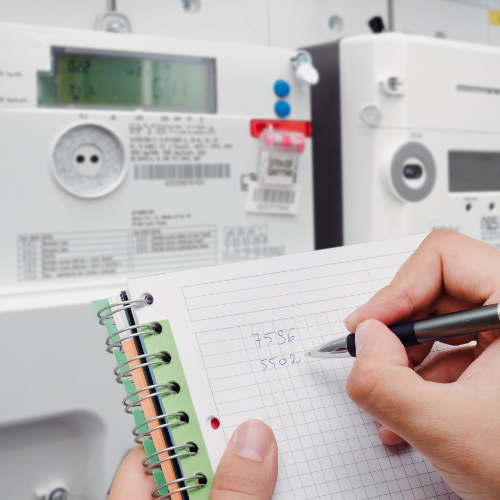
{"points": [[281, 336]]}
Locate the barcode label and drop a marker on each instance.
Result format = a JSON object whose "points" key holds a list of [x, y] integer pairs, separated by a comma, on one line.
{"points": [[272, 199], [270, 195], [182, 171]]}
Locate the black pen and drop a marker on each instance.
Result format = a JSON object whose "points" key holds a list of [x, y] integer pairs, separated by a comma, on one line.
{"points": [[421, 331]]}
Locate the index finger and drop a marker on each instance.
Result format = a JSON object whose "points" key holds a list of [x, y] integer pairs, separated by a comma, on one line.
{"points": [[446, 262]]}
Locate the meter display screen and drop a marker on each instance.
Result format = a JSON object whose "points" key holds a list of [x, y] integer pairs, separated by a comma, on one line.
{"points": [[171, 83], [473, 171]]}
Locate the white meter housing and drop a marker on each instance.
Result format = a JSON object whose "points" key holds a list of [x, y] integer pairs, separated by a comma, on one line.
{"points": [[122, 155], [125, 155], [417, 128]]}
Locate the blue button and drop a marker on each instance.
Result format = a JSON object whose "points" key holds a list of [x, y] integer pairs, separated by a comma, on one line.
{"points": [[282, 109], [281, 88]]}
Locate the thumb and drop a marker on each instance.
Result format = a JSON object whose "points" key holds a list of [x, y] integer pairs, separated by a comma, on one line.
{"points": [[383, 385], [249, 467], [130, 482]]}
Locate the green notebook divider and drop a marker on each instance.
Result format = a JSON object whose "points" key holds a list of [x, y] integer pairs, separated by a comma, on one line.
{"points": [[149, 448], [129, 389], [181, 403], [139, 418], [189, 433], [121, 358], [159, 478]]}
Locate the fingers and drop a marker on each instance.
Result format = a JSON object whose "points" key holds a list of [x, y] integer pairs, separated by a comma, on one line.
{"points": [[383, 385], [447, 366], [247, 471], [249, 466], [418, 353], [130, 482], [389, 437], [441, 264], [483, 373]]}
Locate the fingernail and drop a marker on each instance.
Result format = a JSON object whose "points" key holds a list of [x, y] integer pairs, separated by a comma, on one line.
{"points": [[253, 440], [361, 335], [352, 315]]}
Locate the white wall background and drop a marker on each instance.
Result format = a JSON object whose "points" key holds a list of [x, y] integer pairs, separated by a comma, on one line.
{"points": [[75, 14], [290, 23], [455, 20]]}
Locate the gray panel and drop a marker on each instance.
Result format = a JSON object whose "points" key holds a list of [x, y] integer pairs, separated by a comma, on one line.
{"points": [[63, 419], [327, 146], [473, 171]]}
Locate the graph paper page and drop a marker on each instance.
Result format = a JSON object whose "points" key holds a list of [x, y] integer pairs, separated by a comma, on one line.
{"points": [[242, 330]]}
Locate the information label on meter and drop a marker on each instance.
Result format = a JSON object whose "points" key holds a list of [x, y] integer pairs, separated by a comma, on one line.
{"points": [[98, 253], [490, 230], [179, 152], [248, 242]]}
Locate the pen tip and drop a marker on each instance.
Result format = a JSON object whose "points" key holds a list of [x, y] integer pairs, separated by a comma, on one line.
{"points": [[307, 353]]}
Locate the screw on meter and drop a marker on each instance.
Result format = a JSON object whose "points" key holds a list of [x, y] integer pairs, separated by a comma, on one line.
{"points": [[88, 161]]}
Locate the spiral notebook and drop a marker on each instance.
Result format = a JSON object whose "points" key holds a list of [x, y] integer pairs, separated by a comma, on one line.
{"points": [[200, 351]]}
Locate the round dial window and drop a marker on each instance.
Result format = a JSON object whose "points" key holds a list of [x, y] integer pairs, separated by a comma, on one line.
{"points": [[89, 161]]}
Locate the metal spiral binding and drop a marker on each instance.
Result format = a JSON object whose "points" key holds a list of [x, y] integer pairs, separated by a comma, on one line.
{"points": [[155, 329], [149, 467], [156, 491], [130, 406], [140, 436], [152, 329], [122, 306], [128, 373]]}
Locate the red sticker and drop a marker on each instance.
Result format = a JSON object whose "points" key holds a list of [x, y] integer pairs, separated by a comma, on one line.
{"points": [[214, 422]]}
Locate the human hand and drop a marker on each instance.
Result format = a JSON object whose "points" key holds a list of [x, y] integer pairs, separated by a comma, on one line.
{"points": [[247, 470], [449, 408]]}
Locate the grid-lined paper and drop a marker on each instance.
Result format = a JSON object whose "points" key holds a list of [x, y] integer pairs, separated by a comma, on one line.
{"points": [[241, 332], [325, 284], [327, 446]]}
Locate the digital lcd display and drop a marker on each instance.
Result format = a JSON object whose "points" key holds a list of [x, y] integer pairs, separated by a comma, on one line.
{"points": [[473, 171], [172, 83]]}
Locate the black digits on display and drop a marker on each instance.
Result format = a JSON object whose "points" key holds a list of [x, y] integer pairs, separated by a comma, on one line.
{"points": [[78, 66], [170, 83]]}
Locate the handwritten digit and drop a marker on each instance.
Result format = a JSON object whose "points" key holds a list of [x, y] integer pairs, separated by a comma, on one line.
{"points": [[258, 337], [263, 363], [292, 357], [283, 359], [281, 335], [268, 337], [290, 337], [272, 361]]}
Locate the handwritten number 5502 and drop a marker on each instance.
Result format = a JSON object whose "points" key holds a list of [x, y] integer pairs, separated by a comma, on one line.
{"points": [[291, 358]]}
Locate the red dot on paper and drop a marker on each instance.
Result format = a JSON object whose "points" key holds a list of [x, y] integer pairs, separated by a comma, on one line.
{"points": [[214, 422]]}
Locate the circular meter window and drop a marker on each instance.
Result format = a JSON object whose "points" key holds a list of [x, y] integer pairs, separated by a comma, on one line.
{"points": [[89, 161]]}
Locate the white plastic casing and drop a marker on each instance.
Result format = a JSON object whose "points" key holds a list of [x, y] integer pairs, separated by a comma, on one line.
{"points": [[434, 113]]}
